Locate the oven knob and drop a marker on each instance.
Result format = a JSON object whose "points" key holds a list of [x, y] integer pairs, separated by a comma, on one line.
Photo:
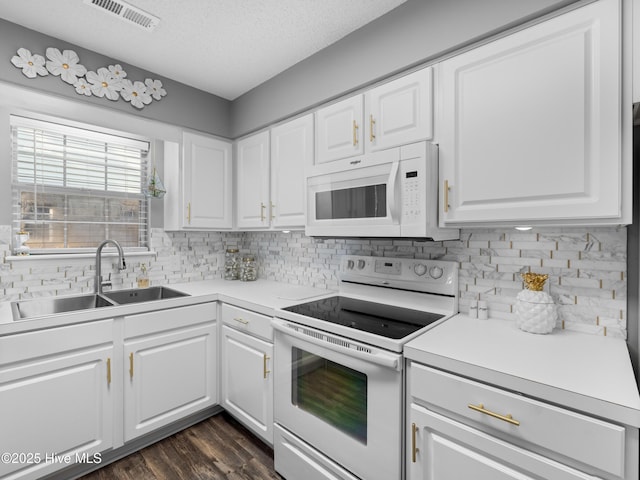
{"points": [[350, 264], [360, 264], [420, 269], [436, 272]]}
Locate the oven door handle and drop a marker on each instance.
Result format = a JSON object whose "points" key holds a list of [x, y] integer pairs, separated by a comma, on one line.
{"points": [[384, 359]]}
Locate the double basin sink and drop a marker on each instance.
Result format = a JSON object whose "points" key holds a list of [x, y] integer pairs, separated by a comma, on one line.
{"points": [[26, 309]]}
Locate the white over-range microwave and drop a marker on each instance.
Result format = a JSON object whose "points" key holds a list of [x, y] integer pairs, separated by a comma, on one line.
{"points": [[392, 193]]}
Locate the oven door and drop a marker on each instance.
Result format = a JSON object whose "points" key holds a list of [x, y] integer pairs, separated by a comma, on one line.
{"points": [[363, 201], [341, 397]]}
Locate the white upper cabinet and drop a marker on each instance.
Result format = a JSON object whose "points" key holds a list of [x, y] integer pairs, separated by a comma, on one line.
{"points": [[271, 169], [207, 182], [339, 130], [400, 112], [252, 199], [393, 114], [636, 50], [531, 125], [291, 155], [199, 185]]}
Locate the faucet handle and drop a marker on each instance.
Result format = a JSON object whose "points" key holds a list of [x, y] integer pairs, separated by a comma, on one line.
{"points": [[106, 283]]}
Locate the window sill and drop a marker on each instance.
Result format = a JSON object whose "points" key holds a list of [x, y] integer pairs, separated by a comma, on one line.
{"points": [[74, 256]]}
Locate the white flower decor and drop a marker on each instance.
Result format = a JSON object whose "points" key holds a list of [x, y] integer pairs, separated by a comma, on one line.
{"points": [[82, 87], [136, 93], [154, 87], [65, 65], [117, 72], [109, 82], [103, 84], [31, 65]]}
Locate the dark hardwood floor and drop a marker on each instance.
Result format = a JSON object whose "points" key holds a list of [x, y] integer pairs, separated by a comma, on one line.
{"points": [[218, 448]]}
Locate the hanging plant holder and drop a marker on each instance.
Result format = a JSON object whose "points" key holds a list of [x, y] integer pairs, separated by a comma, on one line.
{"points": [[156, 187]]}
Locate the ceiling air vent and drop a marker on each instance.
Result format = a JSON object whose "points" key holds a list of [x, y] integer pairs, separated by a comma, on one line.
{"points": [[127, 12]]}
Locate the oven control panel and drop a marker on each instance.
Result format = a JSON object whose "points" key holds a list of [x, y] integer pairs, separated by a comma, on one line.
{"points": [[420, 275]]}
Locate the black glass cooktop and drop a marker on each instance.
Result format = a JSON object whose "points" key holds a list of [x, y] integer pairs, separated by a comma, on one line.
{"points": [[377, 318]]}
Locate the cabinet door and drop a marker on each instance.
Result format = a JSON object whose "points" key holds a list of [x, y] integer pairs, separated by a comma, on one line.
{"points": [[400, 112], [531, 124], [247, 381], [252, 198], [439, 448], [339, 131], [207, 182], [56, 411], [167, 377], [291, 155]]}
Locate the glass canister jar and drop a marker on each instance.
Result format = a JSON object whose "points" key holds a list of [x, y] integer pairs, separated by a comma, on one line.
{"points": [[231, 264], [249, 270]]}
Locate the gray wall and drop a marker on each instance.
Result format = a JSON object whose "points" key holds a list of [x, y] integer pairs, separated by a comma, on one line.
{"points": [[182, 106], [413, 33]]}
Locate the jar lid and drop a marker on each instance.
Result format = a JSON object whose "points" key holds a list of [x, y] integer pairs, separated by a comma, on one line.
{"points": [[232, 250], [249, 258]]}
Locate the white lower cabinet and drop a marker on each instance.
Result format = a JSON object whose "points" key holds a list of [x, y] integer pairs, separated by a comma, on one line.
{"points": [[247, 379], [458, 428], [169, 366], [56, 398]]}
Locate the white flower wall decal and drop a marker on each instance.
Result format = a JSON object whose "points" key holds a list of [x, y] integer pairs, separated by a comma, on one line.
{"points": [[109, 82], [103, 84], [31, 65], [65, 64], [117, 72], [154, 87], [136, 93], [82, 87]]}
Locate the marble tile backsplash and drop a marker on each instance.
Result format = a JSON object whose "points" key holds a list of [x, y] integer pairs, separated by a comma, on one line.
{"points": [[586, 266]]}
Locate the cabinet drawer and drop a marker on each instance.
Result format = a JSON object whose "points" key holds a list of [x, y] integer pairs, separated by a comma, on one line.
{"points": [[247, 321], [572, 435], [169, 319]]}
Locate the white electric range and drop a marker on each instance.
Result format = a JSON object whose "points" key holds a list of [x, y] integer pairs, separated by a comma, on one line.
{"points": [[339, 367]]}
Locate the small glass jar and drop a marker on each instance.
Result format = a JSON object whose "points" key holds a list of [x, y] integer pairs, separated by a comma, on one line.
{"points": [[231, 264], [249, 270], [143, 277]]}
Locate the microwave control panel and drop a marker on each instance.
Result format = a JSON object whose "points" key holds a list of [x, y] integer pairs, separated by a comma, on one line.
{"points": [[412, 178]]}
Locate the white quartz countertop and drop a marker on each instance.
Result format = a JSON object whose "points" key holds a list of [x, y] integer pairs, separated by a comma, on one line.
{"points": [[263, 296], [586, 372]]}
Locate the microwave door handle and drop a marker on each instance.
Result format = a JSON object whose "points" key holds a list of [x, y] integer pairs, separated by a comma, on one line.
{"points": [[393, 180]]}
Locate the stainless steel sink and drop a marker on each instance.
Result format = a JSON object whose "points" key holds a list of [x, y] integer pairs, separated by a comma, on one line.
{"points": [[137, 295], [40, 307]]}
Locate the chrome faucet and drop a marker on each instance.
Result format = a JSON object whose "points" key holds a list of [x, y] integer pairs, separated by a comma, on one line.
{"points": [[98, 284]]}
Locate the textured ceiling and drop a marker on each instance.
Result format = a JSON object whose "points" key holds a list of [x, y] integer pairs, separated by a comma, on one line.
{"points": [[225, 47]]}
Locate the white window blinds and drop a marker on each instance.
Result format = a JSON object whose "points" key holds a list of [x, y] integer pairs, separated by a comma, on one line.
{"points": [[74, 188]]}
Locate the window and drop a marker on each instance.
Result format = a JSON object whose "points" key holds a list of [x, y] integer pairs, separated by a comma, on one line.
{"points": [[74, 188]]}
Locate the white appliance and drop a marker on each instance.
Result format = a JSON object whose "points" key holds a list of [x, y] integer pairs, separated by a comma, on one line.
{"points": [[339, 368], [391, 193]]}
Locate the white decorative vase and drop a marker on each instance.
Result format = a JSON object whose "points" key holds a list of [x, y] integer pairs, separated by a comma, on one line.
{"points": [[535, 310]]}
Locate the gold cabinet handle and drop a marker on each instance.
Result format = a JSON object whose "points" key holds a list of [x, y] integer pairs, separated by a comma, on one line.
{"points": [[271, 207], [355, 133], [414, 447], [266, 372], [446, 196], [131, 365], [189, 213], [372, 123], [505, 418], [262, 207], [108, 371], [241, 320]]}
